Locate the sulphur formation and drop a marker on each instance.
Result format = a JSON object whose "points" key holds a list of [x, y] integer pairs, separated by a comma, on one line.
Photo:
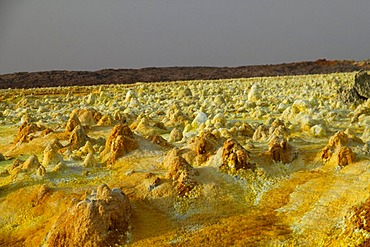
{"points": [[102, 219]]}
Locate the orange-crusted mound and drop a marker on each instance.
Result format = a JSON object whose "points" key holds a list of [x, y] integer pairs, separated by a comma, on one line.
{"points": [[234, 156], [337, 149], [282, 151], [25, 132], [102, 219], [204, 146], [121, 140], [180, 172]]}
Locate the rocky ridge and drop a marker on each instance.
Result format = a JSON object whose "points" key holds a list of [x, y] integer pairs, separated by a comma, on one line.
{"points": [[129, 76]]}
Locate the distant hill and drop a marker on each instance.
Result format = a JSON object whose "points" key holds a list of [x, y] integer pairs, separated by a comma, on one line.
{"points": [[128, 76]]}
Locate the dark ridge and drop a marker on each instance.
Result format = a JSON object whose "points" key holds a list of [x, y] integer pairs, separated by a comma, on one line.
{"points": [[128, 76]]}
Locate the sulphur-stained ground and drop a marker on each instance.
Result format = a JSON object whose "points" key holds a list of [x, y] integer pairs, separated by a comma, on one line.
{"points": [[269, 161]]}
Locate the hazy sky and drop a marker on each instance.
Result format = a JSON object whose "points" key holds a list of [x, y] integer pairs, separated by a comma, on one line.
{"points": [[38, 35]]}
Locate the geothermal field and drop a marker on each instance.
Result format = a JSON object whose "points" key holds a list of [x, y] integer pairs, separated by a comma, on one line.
{"points": [[265, 161]]}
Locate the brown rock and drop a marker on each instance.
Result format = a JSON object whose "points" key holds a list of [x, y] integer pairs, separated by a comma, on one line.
{"points": [[121, 146], [337, 147], [359, 216], [357, 220], [128, 76], [338, 139], [87, 118], [278, 128], [119, 129], [100, 220], [72, 123], [25, 131], [185, 184], [176, 164], [360, 90], [362, 84], [345, 156], [180, 171], [234, 156], [121, 140], [281, 151], [204, 146], [277, 122], [206, 143], [327, 153], [77, 138]]}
